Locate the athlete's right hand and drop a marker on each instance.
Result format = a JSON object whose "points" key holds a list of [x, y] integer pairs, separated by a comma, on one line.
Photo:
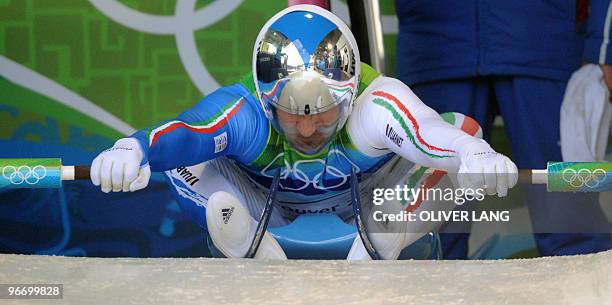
{"points": [[118, 168]]}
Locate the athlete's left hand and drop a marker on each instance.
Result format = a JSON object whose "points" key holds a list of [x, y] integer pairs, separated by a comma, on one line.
{"points": [[483, 168]]}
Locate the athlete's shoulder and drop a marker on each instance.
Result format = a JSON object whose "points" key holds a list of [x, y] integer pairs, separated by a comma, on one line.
{"points": [[368, 75], [248, 83], [385, 86], [225, 102], [383, 99]]}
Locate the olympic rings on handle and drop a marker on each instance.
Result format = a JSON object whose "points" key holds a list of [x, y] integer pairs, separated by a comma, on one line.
{"points": [[584, 177], [24, 174]]}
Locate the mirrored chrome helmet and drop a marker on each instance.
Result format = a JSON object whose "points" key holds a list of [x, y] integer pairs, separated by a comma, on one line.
{"points": [[306, 71]]}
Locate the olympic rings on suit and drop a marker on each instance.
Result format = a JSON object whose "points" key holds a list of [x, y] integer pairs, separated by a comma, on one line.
{"points": [[296, 172]]}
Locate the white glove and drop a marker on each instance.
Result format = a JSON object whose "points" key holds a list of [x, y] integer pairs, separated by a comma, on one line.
{"points": [[483, 168], [118, 168]]}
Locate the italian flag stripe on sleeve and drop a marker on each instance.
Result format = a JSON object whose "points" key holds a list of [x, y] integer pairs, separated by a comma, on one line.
{"points": [[210, 125], [400, 113]]}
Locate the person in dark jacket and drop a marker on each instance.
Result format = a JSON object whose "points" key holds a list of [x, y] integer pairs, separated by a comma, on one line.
{"points": [[484, 57]]}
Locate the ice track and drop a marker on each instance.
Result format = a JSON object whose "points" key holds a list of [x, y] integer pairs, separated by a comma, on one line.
{"points": [[585, 279]]}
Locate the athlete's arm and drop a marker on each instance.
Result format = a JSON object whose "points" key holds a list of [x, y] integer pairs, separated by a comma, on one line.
{"points": [[208, 130], [389, 117], [199, 134], [223, 123]]}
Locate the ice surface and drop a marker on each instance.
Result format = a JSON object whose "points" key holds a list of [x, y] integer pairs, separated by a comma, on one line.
{"points": [[582, 279]]}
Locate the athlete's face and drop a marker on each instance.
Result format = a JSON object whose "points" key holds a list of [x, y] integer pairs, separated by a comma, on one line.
{"points": [[309, 133]]}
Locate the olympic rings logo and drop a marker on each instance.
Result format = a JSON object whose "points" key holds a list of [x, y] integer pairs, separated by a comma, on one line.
{"points": [[24, 174], [584, 177]]}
